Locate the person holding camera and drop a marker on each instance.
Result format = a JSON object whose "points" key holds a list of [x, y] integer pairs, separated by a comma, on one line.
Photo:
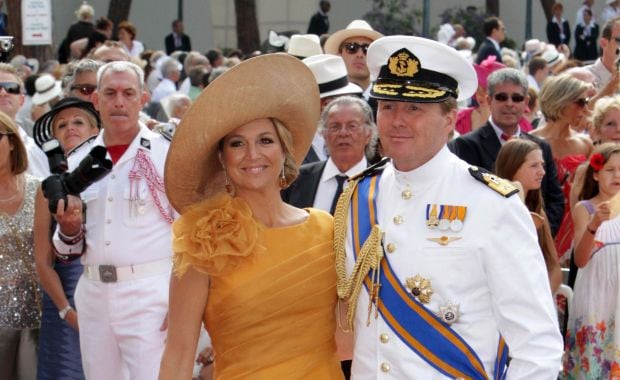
{"points": [[70, 123], [120, 226]]}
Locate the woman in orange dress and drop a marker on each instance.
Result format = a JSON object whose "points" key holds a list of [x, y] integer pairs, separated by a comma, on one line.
{"points": [[258, 272], [564, 103]]}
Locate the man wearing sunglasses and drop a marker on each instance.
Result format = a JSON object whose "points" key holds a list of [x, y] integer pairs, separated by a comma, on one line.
{"points": [[507, 97], [351, 44], [80, 79], [605, 66], [11, 100]]}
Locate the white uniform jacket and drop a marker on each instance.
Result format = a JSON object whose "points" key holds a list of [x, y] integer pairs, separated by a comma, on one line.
{"points": [[494, 272], [123, 224]]}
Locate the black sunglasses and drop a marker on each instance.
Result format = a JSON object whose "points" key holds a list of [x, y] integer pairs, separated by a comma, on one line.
{"points": [[353, 47], [582, 102], [502, 97], [11, 87], [4, 134], [84, 89]]}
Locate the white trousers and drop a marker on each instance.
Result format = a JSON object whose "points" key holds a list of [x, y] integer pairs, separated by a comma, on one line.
{"points": [[120, 322]]}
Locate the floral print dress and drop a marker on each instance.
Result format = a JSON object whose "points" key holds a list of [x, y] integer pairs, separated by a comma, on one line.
{"points": [[593, 343]]}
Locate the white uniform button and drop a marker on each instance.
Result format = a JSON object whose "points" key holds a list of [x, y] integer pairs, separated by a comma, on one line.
{"points": [[384, 338], [108, 242], [391, 247], [109, 221], [398, 220], [385, 367], [113, 176], [406, 194], [110, 199]]}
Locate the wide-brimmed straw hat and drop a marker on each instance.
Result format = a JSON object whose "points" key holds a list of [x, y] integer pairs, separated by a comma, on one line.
{"points": [[42, 130], [357, 28], [275, 86]]}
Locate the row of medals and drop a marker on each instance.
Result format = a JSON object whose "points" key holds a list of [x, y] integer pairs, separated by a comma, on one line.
{"points": [[419, 286]]}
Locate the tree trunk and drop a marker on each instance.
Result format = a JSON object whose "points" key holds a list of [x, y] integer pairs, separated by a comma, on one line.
{"points": [[547, 4], [14, 28], [248, 39], [492, 7], [118, 11]]}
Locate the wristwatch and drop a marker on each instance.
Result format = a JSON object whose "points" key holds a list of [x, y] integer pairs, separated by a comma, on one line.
{"points": [[63, 313]]}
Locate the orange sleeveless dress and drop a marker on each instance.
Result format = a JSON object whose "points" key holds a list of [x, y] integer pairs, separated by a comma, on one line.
{"points": [[273, 316]]}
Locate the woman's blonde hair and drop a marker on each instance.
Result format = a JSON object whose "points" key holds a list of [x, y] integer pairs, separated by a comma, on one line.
{"points": [[601, 108], [557, 93], [18, 156], [291, 170]]}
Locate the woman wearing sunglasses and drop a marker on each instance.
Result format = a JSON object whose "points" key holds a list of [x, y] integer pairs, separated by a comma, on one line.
{"points": [[19, 291], [70, 122], [564, 103]]}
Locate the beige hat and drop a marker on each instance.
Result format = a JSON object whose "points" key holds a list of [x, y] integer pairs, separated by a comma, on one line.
{"points": [[357, 28], [304, 45], [275, 86]]}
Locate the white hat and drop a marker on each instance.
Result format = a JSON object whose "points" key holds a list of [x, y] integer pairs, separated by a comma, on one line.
{"points": [[416, 69], [468, 42], [357, 28], [534, 46], [610, 1], [47, 89], [304, 45], [552, 55], [330, 73]]}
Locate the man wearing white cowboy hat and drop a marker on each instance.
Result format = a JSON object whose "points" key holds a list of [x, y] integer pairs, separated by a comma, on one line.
{"points": [[123, 236], [439, 283], [330, 73], [351, 44]]}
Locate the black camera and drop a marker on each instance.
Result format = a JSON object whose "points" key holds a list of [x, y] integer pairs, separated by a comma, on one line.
{"points": [[6, 47], [90, 170]]}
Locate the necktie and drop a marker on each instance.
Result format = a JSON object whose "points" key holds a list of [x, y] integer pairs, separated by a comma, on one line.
{"points": [[506, 137], [340, 179]]}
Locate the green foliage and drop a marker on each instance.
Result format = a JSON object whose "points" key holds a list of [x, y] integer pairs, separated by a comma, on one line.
{"points": [[394, 17]]}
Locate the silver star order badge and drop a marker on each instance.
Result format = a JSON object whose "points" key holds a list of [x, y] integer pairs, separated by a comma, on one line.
{"points": [[449, 313], [420, 287]]}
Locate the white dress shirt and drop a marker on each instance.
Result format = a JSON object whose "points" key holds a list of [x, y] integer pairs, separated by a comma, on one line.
{"points": [[165, 88], [495, 272], [328, 184], [38, 164]]}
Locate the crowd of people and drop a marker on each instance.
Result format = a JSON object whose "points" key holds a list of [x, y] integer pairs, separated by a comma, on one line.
{"points": [[346, 205]]}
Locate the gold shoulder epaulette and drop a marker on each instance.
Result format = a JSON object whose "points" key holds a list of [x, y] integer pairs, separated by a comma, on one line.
{"points": [[372, 169], [500, 185]]}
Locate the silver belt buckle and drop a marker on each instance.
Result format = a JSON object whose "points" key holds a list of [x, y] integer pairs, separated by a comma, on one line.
{"points": [[107, 273]]}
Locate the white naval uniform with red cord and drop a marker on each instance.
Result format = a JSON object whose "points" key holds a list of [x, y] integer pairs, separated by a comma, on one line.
{"points": [[495, 272], [120, 321]]}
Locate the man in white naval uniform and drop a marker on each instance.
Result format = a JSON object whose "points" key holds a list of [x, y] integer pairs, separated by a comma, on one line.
{"points": [[460, 273], [122, 297]]}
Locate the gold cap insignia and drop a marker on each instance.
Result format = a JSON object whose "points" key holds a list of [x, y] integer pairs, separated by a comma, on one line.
{"points": [[403, 64]]}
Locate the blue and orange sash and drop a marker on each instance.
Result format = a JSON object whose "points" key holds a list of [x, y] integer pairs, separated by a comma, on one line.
{"points": [[420, 329]]}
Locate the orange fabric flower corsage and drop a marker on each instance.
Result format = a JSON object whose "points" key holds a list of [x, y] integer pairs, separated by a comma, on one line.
{"points": [[215, 235]]}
